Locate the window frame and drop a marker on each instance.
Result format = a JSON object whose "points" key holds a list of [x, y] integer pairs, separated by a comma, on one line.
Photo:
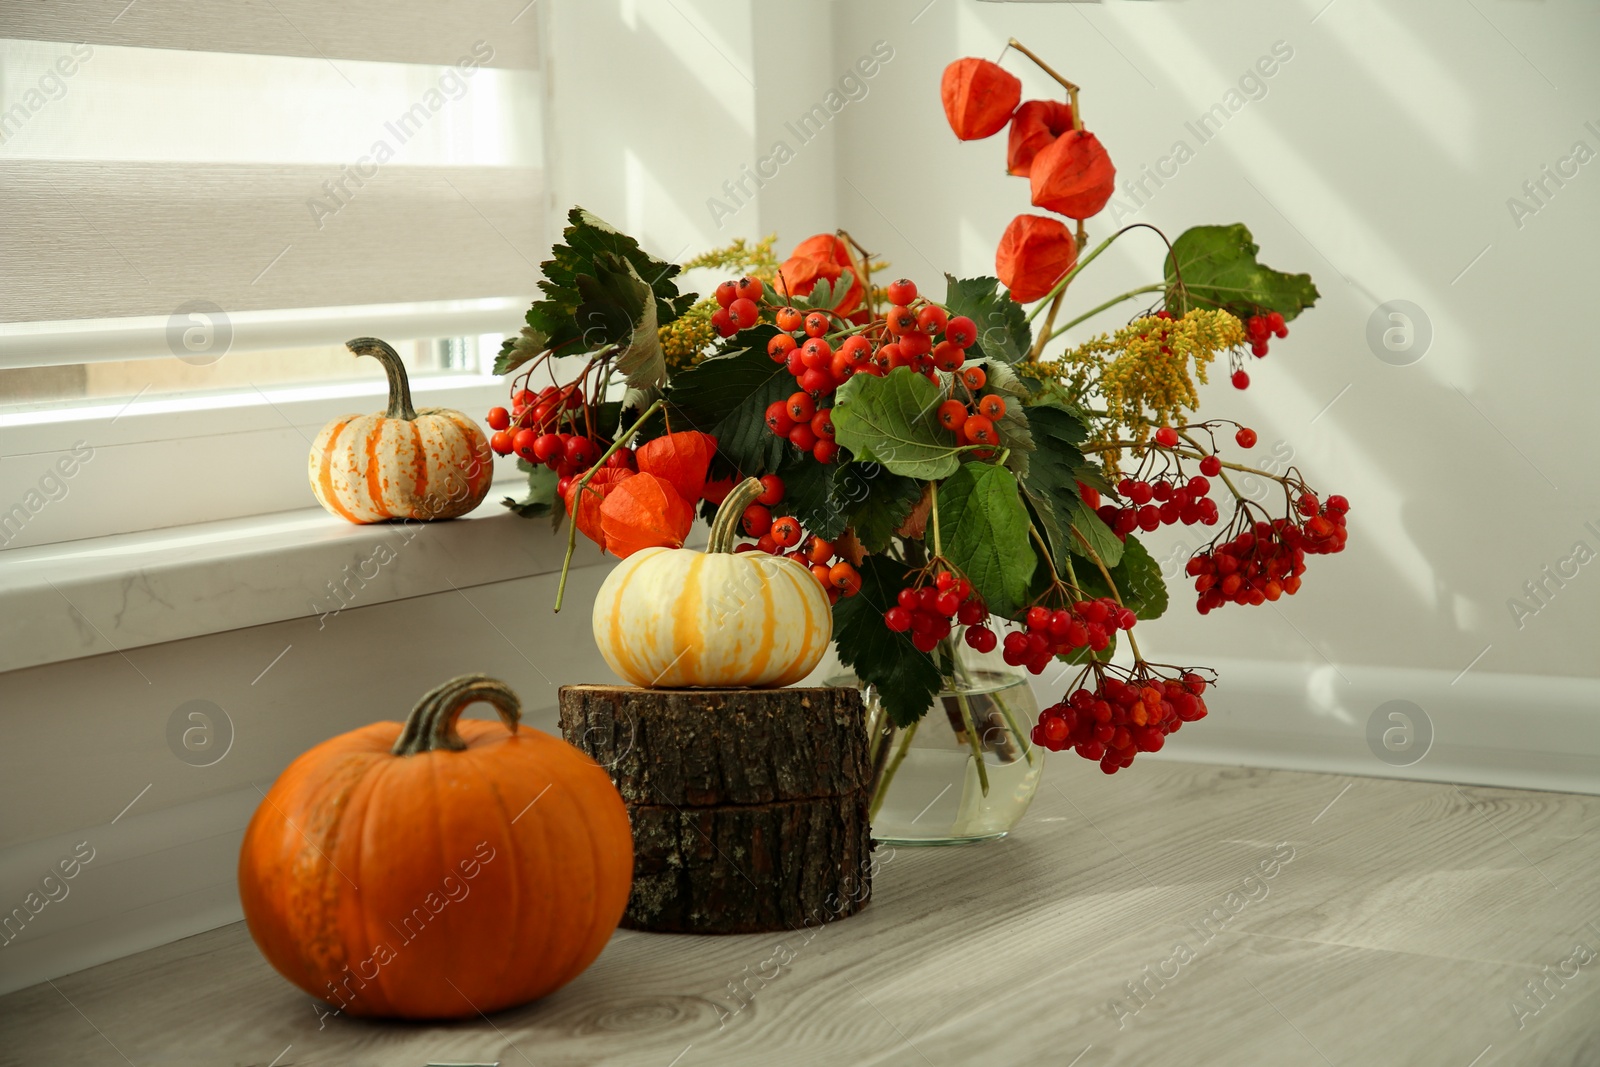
{"points": [[188, 451]]}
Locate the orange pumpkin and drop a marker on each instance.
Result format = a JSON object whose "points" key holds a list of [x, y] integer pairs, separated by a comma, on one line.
{"points": [[1034, 253], [400, 463], [671, 618], [437, 869], [979, 97], [1073, 175], [1036, 124]]}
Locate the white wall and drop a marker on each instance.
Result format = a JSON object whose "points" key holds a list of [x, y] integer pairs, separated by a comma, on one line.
{"points": [[1380, 160]]}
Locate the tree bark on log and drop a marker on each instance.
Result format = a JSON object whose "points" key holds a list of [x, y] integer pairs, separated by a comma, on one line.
{"points": [[749, 806]]}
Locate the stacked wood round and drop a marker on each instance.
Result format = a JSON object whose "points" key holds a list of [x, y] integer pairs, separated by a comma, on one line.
{"points": [[749, 806]]}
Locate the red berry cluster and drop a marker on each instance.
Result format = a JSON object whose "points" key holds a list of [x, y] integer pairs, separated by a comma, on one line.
{"points": [[1155, 500], [973, 424], [1266, 561], [543, 427], [783, 536], [1259, 328], [1118, 719], [738, 306], [915, 333], [1087, 624], [926, 611], [807, 428], [1161, 503]]}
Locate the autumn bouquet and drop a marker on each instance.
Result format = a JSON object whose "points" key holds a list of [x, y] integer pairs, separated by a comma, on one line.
{"points": [[954, 475]]}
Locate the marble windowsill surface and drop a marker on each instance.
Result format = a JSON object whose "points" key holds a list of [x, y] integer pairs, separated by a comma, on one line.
{"points": [[83, 598]]}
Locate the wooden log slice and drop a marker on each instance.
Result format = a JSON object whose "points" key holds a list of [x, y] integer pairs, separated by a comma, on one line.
{"points": [[749, 806], [721, 746]]}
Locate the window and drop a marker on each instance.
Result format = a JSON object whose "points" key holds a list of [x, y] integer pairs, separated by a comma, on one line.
{"points": [[205, 200]]}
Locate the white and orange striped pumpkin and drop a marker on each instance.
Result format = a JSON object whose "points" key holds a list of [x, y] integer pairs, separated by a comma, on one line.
{"points": [[672, 618], [400, 463]]}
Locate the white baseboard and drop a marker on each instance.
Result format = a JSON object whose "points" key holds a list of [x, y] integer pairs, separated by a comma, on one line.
{"points": [[1511, 730], [152, 879]]}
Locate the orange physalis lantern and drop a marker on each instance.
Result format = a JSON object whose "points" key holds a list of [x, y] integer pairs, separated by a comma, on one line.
{"points": [[681, 458], [644, 511], [820, 256], [979, 97], [1073, 175], [1034, 253], [1036, 124], [587, 515]]}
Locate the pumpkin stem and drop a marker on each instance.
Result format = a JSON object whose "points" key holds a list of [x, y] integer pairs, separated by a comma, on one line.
{"points": [[431, 726], [399, 386], [726, 521]]}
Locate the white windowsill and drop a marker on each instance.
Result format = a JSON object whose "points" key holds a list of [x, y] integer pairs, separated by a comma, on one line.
{"points": [[98, 595]]}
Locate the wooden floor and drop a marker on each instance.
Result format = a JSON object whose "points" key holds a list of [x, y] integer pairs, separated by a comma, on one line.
{"points": [[1370, 922]]}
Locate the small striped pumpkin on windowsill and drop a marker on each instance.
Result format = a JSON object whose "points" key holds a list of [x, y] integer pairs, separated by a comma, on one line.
{"points": [[400, 463]]}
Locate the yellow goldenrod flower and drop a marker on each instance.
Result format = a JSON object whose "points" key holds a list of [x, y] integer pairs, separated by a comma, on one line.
{"points": [[1144, 373]]}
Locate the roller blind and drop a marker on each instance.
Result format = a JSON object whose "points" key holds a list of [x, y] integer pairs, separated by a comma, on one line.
{"points": [[267, 156]]}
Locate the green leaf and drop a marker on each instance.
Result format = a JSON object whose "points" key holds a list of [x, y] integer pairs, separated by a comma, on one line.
{"points": [[906, 680], [820, 297], [1051, 484], [1074, 429], [1138, 578], [1002, 324], [826, 295], [876, 500], [893, 421], [983, 531], [841, 289], [619, 309], [1012, 427], [810, 495], [728, 395], [1106, 544], [592, 247], [1219, 269], [1140, 581], [515, 351], [541, 496], [1094, 477]]}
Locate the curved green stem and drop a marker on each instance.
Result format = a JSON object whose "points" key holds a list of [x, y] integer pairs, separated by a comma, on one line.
{"points": [[972, 741], [1113, 302], [725, 524], [583, 483], [1072, 575], [894, 765], [1023, 740], [399, 387], [1045, 547], [1049, 320], [431, 726]]}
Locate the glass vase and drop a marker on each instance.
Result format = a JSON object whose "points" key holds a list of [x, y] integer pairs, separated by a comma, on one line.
{"points": [[967, 770]]}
